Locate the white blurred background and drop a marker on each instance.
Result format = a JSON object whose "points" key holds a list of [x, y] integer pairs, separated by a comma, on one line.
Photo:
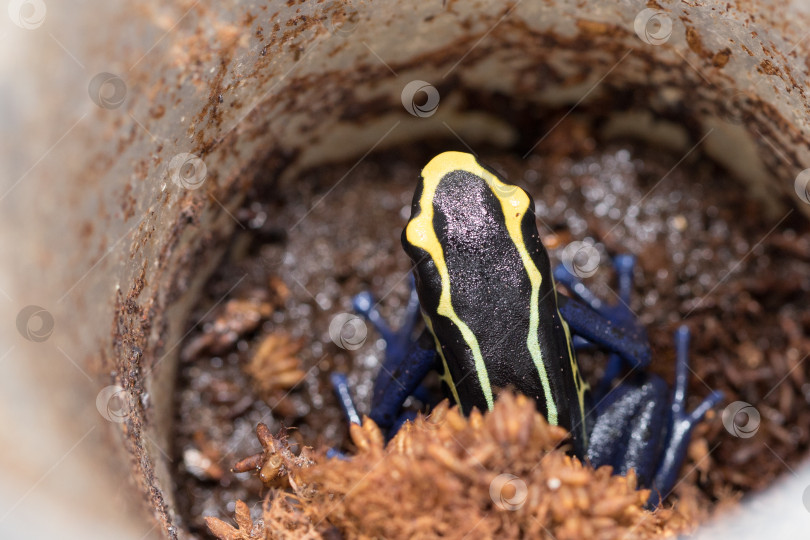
{"points": [[56, 480]]}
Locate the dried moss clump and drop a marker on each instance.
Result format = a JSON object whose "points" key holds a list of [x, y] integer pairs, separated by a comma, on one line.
{"points": [[274, 367], [280, 521], [501, 474], [236, 318]]}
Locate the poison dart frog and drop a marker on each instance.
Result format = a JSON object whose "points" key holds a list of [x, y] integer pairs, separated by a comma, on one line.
{"points": [[485, 289]]}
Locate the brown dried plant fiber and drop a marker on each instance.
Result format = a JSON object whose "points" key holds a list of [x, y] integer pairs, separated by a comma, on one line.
{"points": [[443, 477]]}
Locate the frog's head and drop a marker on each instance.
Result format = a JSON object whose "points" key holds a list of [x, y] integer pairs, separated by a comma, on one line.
{"points": [[466, 217]]}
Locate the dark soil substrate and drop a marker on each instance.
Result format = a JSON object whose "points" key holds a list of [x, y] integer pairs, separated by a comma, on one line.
{"points": [[709, 257]]}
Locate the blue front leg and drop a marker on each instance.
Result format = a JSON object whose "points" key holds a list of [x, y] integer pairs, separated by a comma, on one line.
{"points": [[614, 328], [630, 346], [397, 381], [407, 361], [619, 314]]}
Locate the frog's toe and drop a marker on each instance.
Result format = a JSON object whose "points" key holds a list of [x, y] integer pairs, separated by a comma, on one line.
{"points": [[578, 289], [619, 313], [363, 303], [335, 453], [682, 338], [681, 423], [340, 384], [397, 341], [625, 264], [674, 452], [708, 403]]}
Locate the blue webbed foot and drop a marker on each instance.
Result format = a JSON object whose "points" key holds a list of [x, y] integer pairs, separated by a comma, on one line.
{"points": [[680, 423]]}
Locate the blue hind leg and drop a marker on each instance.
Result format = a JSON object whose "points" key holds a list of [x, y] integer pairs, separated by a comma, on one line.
{"points": [[637, 426], [680, 423]]}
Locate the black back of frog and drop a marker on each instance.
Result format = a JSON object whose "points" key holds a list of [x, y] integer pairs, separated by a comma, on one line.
{"points": [[487, 293]]}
